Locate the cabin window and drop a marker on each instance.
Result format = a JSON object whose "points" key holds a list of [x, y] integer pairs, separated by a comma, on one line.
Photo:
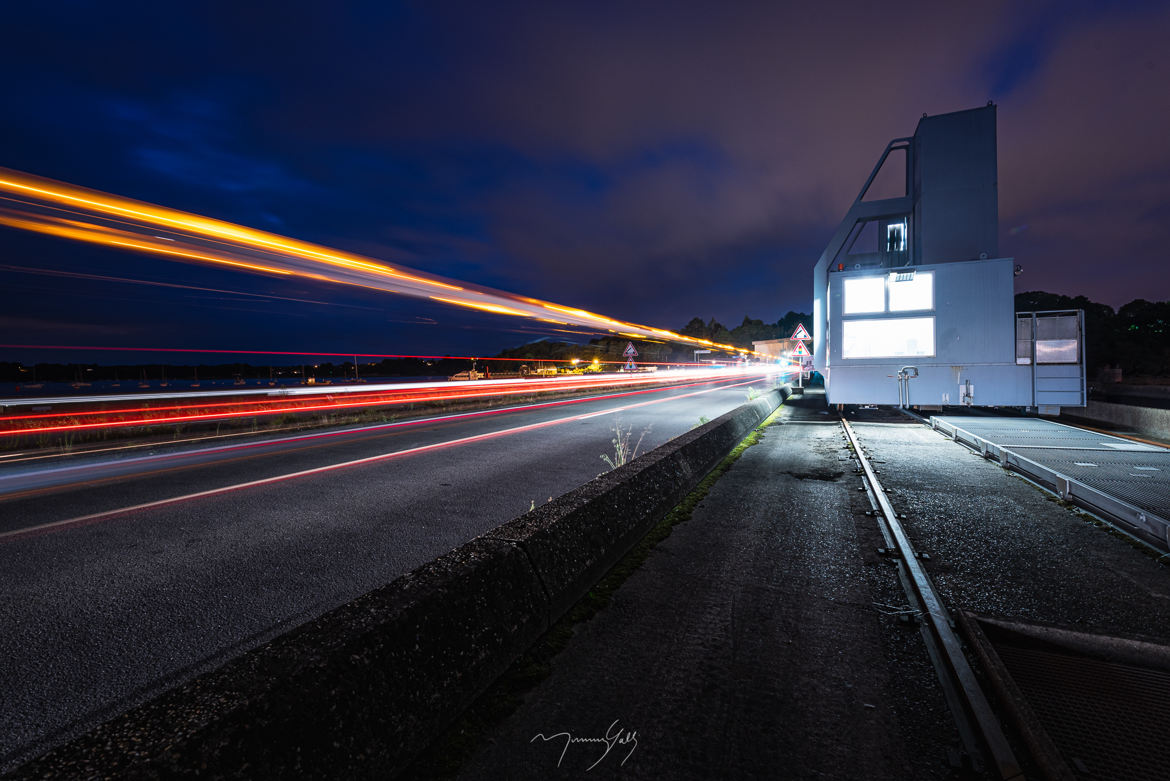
{"points": [[864, 295], [888, 337], [896, 237], [910, 290]]}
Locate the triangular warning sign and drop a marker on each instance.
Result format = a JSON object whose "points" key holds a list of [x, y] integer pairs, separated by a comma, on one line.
{"points": [[801, 350], [800, 333], [630, 350]]}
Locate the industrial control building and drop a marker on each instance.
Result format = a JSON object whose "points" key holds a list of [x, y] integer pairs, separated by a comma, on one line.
{"points": [[912, 304]]}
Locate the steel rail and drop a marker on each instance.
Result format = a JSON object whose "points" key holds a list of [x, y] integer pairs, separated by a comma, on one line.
{"points": [[957, 670]]}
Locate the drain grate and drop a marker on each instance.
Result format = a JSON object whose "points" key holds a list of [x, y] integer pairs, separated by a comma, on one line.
{"points": [[1103, 717], [1100, 704]]}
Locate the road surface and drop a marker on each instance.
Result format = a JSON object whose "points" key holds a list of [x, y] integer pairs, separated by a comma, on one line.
{"points": [[123, 576]]}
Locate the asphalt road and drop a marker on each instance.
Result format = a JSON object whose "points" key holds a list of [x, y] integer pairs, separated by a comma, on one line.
{"points": [[125, 575]]}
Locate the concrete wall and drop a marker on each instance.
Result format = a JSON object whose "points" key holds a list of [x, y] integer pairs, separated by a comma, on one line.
{"points": [[358, 692]]}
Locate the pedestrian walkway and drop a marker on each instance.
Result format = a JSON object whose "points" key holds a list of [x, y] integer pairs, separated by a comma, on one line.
{"points": [[747, 646]]}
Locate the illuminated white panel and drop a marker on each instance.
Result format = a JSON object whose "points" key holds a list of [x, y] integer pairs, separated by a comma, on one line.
{"points": [[1057, 351], [1056, 339], [817, 330], [911, 291], [865, 294], [894, 338]]}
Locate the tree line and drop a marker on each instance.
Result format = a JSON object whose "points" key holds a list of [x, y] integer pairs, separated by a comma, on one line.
{"points": [[610, 349], [1134, 338], [748, 331]]}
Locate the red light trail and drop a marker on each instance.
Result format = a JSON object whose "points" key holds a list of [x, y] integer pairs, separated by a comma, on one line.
{"points": [[14, 425], [106, 514], [324, 435]]}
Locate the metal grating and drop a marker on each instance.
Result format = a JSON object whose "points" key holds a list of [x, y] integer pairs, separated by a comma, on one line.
{"points": [[1107, 718], [1034, 432], [1140, 478], [1122, 479]]}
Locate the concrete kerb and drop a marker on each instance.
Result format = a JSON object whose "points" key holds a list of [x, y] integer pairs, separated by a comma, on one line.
{"points": [[359, 691], [574, 540]]}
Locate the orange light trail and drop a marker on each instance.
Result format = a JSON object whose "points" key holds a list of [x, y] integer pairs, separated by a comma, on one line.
{"points": [[101, 234], [199, 239], [156, 283], [149, 214], [494, 308]]}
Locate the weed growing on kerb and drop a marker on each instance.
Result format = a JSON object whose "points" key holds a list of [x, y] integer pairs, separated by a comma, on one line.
{"points": [[622, 452]]}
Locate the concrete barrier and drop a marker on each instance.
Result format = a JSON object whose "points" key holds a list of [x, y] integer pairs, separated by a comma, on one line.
{"points": [[574, 539], [1144, 420], [360, 691]]}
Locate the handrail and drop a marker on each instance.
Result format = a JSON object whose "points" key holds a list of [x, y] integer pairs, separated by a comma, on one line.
{"points": [[882, 160]]}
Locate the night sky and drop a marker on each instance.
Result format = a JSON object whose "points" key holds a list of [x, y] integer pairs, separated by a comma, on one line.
{"points": [[650, 161]]}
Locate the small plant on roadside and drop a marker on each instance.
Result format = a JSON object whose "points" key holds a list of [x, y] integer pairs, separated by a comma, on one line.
{"points": [[703, 420], [752, 394], [622, 452]]}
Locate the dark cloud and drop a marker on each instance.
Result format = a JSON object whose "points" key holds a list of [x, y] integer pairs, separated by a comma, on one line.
{"points": [[654, 161], [1084, 161]]}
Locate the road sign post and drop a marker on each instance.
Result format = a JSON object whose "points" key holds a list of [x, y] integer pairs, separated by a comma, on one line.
{"points": [[801, 352], [630, 352]]}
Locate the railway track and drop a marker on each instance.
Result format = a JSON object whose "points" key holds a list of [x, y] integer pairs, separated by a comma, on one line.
{"points": [[1029, 699], [977, 722]]}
